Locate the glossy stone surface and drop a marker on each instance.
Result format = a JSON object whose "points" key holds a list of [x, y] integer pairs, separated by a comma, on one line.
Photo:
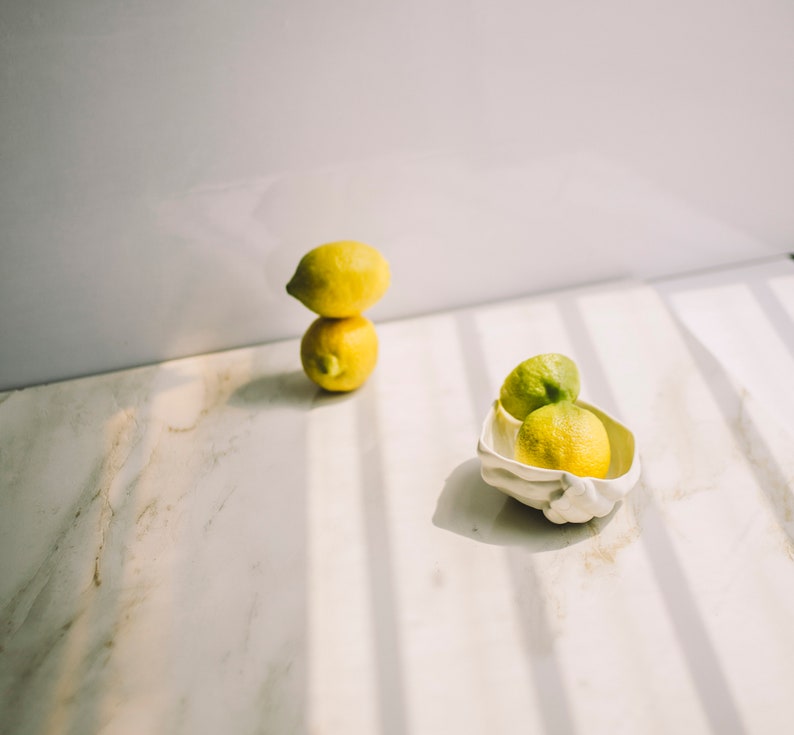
{"points": [[213, 545]]}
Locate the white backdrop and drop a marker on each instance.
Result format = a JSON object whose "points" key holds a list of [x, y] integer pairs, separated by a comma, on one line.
{"points": [[165, 165]]}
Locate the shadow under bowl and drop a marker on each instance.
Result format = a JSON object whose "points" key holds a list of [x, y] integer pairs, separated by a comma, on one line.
{"points": [[562, 496]]}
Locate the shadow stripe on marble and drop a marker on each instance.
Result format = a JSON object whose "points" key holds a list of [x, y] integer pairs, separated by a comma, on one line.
{"points": [[620, 652], [465, 670], [390, 670], [742, 339], [696, 646], [769, 476], [343, 674], [552, 694]]}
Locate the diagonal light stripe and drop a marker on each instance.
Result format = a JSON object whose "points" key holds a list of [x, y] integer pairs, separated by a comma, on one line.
{"points": [[699, 473], [615, 662], [731, 323], [342, 671], [457, 622]]}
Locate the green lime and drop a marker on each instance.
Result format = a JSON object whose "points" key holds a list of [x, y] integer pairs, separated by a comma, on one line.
{"points": [[538, 381]]}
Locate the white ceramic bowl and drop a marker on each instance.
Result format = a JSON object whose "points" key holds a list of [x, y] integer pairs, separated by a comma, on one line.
{"points": [[562, 496]]}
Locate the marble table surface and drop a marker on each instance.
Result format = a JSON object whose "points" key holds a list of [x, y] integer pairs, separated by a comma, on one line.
{"points": [[212, 545]]}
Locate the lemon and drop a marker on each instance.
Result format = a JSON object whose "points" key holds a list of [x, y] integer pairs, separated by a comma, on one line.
{"points": [[340, 279], [564, 436], [339, 354], [541, 379]]}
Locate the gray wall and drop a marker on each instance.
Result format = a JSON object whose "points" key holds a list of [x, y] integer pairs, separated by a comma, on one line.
{"points": [[166, 164]]}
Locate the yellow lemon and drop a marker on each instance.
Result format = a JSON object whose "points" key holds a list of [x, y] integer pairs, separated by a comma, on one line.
{"points": [[564, 436], [339, 354], [541, 379], [340, 279]]}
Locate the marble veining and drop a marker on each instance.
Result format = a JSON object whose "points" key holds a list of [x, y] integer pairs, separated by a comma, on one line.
{"points": [[213, 545]]}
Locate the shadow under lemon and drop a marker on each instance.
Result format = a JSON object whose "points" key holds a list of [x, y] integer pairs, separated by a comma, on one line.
{"points": [[283, 389], [470, 507]]}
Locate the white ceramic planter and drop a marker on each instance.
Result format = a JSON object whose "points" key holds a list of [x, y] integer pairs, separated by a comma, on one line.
{"points": [[562, 496]]}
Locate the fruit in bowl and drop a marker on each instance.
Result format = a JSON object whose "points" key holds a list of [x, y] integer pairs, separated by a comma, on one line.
{"points": [[565, 457], [564, 436]]}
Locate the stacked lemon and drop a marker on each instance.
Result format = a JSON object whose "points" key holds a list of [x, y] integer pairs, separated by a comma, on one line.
{"points": [[339, 281], [556, 433]]}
